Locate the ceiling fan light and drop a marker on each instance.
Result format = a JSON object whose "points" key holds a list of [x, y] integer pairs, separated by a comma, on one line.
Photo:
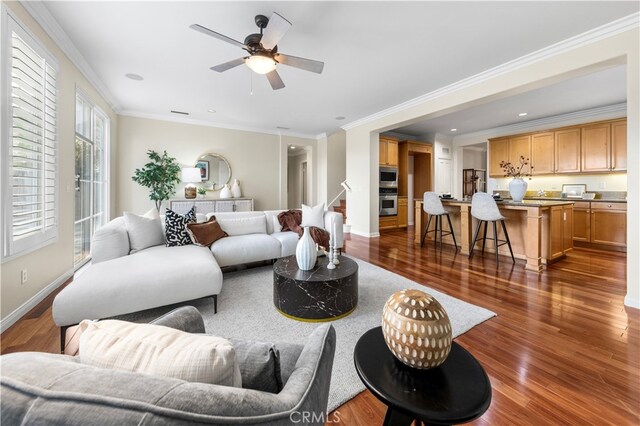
{"points": [[260, 64]]}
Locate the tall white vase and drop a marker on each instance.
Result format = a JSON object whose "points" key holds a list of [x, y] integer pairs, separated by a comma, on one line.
{"points": [[306, 252], [235, 189], [517, 189], [225, 192]]}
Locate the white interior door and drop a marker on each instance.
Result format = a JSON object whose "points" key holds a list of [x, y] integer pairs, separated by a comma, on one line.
{"points": [[444, 176]]}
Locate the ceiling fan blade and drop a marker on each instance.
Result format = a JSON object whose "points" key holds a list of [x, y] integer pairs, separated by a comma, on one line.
{"points": [[275, 80], [302, 63], [214, 34], [276, 28], [228, 65]]}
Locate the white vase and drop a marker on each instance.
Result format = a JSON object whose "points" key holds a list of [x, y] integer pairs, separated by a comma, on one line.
{"points": [[225, 192], [235, 189], [306, 252], [517, 189]]}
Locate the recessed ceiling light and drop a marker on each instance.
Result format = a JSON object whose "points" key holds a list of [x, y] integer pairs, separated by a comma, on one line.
{"points": [[212, 111], [522, 114], [292, 147], [136, 77], [340, 117], [454, 130]]}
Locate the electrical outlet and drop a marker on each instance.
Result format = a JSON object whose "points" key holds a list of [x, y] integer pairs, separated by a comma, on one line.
{"points": [[603, 185], [24, 277]]}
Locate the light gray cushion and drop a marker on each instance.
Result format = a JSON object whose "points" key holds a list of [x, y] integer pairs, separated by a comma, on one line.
{"points": [[144, 232], [154, 277], [236, 250], [259, 365], [313, 216], [288, 242], [241, 223], [110, 241]]}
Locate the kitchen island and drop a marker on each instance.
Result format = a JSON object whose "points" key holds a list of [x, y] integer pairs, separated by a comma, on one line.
{"points": [[540, 231]]}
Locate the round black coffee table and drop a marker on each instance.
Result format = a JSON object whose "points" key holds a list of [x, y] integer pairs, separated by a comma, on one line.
{"points": [[457, 391], [320, 294]]}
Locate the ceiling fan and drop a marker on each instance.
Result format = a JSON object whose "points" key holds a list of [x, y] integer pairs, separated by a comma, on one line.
{"points": [[263, 50]]}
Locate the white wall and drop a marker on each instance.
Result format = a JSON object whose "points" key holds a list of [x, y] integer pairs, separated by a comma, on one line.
{"points": [[52, 264], [551, 65], [474, 159], [336, 166], [257, 160]]}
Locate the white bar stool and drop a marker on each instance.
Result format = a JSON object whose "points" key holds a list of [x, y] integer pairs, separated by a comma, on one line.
{"points": [[433, 207], [485, 209]]}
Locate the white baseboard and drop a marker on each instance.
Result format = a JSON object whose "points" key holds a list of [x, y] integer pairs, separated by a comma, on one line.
{"points": [[365, 234], [631, 302], [14, 316]]}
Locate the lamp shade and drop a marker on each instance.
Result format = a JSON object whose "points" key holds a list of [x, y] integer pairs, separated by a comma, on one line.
{"points": [[191, 175], [260, 64]]}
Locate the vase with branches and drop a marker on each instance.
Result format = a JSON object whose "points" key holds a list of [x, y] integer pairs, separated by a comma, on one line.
{"points": [[160, 175], [517, 186]]}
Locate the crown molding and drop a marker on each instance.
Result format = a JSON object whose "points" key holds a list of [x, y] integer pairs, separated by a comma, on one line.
{"points": [[599, 33], [43, 17], [578, 117], [195, 121]]}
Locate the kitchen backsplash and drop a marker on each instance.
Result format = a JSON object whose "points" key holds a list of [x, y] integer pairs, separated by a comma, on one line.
{"points": [[600, 195]]}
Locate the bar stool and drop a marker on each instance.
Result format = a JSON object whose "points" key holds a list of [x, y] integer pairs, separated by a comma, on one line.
{"points": [[433, 207], [485, 209]]}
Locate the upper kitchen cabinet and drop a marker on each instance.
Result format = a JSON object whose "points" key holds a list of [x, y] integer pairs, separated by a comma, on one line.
{"points": [[388, 151], [498, 152], [520, 146], [596, 145], [567, 150], [542, 153], [619, 145]]}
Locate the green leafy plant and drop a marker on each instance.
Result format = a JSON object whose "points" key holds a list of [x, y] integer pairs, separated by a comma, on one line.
{"points": [[160, 175], [202, 190]]}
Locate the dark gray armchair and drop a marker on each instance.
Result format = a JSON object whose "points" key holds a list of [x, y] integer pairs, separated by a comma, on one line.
{"points": [[40, 388]]}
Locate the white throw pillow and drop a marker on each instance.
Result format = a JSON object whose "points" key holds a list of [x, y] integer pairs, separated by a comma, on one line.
{"points": [[158, 350], [144, 232], [313, 216]]}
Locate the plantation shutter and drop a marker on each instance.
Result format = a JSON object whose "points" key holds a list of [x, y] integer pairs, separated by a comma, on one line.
{"points": [[32, 153]]}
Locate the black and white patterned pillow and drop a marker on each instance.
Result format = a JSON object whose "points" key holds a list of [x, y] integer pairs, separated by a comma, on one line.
{"points": [[176, 227]]}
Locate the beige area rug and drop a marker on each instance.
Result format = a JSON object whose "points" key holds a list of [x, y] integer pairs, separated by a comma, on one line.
{"points": [[245, 310]]}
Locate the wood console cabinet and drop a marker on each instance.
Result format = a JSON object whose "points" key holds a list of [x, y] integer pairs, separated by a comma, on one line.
{"points": [[388, 151], [204, 205], [600, 223], [588, 148]]}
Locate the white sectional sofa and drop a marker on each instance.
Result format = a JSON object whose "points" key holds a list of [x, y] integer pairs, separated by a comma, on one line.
{"points": [[119, 283]]}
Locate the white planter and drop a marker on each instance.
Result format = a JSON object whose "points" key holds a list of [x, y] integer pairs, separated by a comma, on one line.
{"points": [[517, 189], [235, 189], [306, 252], [225, 192]]}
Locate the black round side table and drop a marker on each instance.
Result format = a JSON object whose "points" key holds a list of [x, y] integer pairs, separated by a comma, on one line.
{"points": [[457, 391]]}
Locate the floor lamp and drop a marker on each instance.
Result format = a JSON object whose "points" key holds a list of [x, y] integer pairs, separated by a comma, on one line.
{"points": [[345, 188]]}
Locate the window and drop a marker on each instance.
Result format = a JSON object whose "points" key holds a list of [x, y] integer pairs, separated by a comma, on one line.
{"points": [[29, 142], [91, 167]]}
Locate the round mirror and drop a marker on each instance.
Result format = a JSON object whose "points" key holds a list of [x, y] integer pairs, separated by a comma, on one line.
{"points": [[214, 170]]}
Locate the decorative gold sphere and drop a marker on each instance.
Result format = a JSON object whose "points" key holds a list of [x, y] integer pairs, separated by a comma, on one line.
{"points": [[416, 329]]}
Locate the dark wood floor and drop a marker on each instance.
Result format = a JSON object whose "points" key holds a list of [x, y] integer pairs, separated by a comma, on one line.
{"points": [[563, 349]]}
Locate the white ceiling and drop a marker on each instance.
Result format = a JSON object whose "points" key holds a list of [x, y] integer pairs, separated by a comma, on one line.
{"points": [[376, 54]]}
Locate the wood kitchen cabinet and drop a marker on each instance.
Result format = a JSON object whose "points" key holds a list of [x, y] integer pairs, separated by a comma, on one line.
{"points": [[520, 147], [542, 153], [560, 231], [498, 152], [596, 146], [618, 145], [388, 152], [600, 224], [609, 224], [388, 222], [567, 150], [403, 212]]}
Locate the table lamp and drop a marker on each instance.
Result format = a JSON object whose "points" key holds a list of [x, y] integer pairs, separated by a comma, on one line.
{"points": [[190, 175]]}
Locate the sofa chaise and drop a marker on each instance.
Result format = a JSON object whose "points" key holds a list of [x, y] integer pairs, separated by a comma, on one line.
{"points": [[119, 283], [41, 388]]}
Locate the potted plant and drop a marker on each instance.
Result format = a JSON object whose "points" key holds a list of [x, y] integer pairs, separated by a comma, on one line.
{"points": [[202, 191], [160, 175], [517, 186]]}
